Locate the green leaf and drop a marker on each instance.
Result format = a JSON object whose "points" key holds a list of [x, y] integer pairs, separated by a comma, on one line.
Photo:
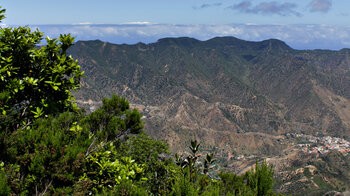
{"points": [[39, 112]]}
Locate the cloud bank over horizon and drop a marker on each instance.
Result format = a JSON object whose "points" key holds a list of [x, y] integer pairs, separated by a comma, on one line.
{"points": [[296, 36]]}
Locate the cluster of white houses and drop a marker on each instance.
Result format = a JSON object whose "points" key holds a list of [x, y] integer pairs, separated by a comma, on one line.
{"points": [[323, 144]]}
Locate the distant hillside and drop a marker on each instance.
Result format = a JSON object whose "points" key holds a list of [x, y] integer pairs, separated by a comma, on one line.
{"points": [[222, 89]]}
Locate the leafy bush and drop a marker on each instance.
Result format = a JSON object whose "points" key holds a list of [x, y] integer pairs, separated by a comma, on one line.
{"points": [[104, 170], [260, 179], [48, 154], [34, 81], [4, 188]]}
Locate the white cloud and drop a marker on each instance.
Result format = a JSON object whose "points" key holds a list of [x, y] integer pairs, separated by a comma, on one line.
{"points": [[83, 23], [297, 36], [139, 23]]}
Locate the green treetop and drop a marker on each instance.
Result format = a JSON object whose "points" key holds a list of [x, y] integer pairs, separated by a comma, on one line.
{"points": [[34, 81]]}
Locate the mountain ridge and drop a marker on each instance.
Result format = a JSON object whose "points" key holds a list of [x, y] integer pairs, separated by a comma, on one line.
{"points": [[232, 39]]}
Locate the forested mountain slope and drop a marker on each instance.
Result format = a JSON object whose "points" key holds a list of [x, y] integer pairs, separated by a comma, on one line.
{"points": [[223, 89]]}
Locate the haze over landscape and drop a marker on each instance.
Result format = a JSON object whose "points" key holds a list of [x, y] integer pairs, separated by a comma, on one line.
{"points": [[309, 24]]}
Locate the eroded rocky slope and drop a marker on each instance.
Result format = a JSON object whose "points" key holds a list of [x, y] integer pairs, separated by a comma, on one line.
{"points": [[214, 90]]}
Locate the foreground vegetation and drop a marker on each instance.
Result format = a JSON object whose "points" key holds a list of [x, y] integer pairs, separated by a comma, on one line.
{"points": [[50, 146]]}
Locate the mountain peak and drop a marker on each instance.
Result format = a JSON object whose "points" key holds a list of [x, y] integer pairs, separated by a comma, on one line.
{"points": [[270, 44], [183, 41], [227, 40], [275, 44]]}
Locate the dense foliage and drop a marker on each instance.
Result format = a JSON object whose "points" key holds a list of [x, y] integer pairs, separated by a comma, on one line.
{"points": [[49, 146]]}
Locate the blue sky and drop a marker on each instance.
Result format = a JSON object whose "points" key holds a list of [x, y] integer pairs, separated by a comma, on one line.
{"points": [[303, 24]]}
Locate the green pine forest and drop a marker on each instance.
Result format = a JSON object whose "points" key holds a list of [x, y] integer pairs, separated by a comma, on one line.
{"points": [[49, 146]]}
